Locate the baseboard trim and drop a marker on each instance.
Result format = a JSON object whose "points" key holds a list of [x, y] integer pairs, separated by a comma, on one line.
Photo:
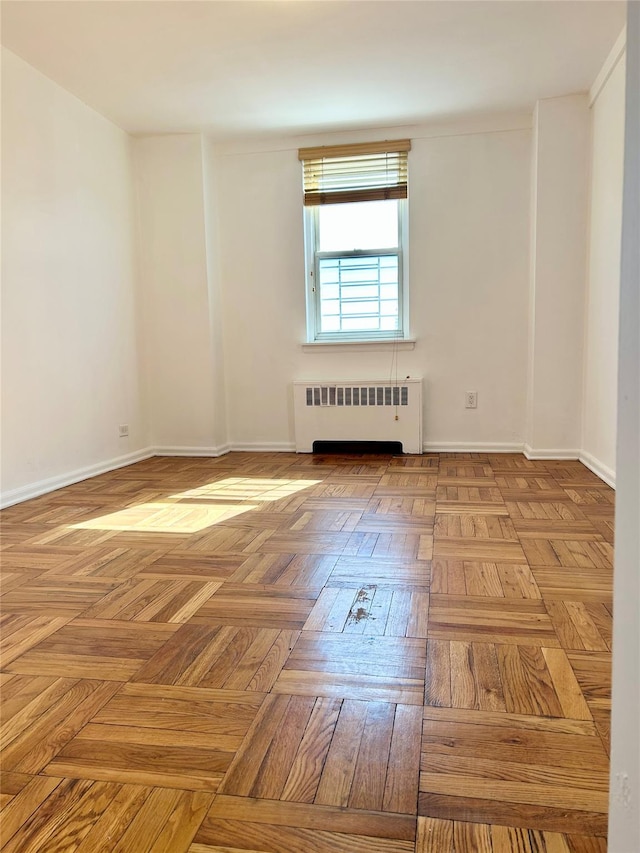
{"points": [[52, 484], [471, 447], [265, 447], [192, 451], [549, 453], [257, 447], [605, 473], [593, 464]]}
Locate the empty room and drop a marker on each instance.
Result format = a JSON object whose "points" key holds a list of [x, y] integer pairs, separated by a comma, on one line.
{"points": [[320, 415]]}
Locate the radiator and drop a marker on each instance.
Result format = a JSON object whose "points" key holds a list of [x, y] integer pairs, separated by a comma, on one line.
{"points": [[358, 411]]}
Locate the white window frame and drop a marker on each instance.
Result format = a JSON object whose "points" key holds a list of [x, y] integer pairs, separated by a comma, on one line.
{"points": [[311, 239]]}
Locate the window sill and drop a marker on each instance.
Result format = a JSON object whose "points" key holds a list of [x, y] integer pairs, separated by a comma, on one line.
{"points": [[360, 346]]}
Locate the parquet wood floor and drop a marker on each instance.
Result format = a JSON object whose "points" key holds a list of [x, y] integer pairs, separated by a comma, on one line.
{"points": [[274, 653]]}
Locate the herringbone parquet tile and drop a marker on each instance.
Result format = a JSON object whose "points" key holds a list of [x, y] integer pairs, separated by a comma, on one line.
{"points": [[280, 654]]}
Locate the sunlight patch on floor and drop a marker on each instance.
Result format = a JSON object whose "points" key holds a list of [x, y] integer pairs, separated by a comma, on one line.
{"points": [[248, 489], [172, 516], [165, 518]]}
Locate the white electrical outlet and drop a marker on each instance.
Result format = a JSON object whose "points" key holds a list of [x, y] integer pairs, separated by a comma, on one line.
{"points": [[471, 399], [123, 430], [622, 790]]}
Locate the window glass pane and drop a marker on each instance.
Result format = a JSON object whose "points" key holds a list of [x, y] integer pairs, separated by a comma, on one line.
{"points": [[389, 323], [358, 291], [388, 308], [329, 275], [356, 324], [358, 300], [358, 275], [332, 291], [358, 262], [388, 291], [360, 307], [331, 324], [330, 306], [359, 225]]}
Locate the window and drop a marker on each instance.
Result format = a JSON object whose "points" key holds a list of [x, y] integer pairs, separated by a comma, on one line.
{"points": [[355, 199]]}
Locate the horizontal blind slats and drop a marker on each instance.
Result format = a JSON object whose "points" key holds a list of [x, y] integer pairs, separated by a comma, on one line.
{"points": [[313, 198], [355, 150], [339, 174]]}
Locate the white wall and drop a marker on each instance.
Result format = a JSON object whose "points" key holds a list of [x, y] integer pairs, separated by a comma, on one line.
{"points": [[601, 338], [216, 324], [221, 296], [70, 370], [559, 214], [262, 269], [179, 362], [624, 814], [469, 219]]}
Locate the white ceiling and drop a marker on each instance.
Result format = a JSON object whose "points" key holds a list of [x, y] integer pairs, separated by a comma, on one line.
{"points": [[239, 68]]}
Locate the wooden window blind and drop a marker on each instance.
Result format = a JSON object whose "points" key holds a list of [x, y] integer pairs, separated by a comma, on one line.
{"points": [[372, 171]]}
